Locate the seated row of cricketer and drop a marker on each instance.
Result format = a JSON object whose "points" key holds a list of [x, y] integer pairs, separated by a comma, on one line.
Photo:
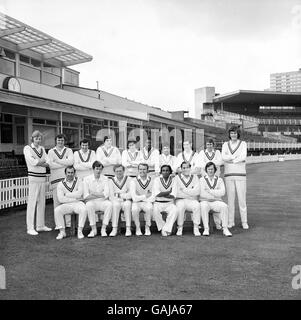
{"points": [[59, 157], [167, 193]]}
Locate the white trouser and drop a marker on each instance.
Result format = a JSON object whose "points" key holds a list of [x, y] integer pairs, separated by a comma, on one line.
{"points": [[147, 207], [220, 213], [76, 207], [99, 205], [241, 187], [172, 214], [189, 205], [36, 198], [56, 203], [126, 206]]}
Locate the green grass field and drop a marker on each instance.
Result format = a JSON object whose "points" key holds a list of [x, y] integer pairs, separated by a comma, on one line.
{"points": [[253, 264]]}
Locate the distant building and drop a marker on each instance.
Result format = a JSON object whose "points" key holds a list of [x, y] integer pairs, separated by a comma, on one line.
{"points": [[286, 81]]}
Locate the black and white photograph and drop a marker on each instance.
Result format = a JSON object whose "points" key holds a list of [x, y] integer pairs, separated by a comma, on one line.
{"points": [[150, 152]]}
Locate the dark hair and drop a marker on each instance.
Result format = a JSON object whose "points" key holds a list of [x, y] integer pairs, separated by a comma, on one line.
{"points": [[84, 141], [234, 129], [118, 166], [97, 164], [60, 136], [210, 140], [143, 164], [69, 167], [131, 141], [185, 162], [209, 164], [166, 166], [106, 138]]}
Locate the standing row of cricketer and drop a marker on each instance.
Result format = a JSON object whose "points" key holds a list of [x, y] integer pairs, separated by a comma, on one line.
{"points": [[86, 181]]}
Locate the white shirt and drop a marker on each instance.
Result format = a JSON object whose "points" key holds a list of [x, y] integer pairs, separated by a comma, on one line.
{"points": [[101, 185], [168, 160]]}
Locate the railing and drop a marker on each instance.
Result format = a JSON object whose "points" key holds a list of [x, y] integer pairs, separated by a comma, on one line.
{"points": [[281, 121], [273, 145], [238, 116], [273, 158]]}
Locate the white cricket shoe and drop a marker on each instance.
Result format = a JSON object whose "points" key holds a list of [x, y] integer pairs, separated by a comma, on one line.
{"points": [[92, 234], [80, 235], [61, 236], [138, 232], [227, 233], [147, 231], [113, 232], [44, 229], [103, 233], [196, 231], [245, 226], [164, 233], [128, 232], [32, 232], [180, 231], [206, 232]]}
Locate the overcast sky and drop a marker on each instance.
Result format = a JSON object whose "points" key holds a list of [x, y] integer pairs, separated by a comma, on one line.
{"points": [[158, 51]]}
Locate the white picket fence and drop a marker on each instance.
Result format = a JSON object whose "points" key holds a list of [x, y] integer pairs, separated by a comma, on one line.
{"points": [[14, 191]]}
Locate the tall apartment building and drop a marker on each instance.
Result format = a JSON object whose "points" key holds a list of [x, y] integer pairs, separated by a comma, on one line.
{"points": [[286, 81]]}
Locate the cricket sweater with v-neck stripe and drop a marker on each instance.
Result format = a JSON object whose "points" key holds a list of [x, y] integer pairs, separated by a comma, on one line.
{"points": [[68, 192], [109, 158], [58, 161], [234, 157], [211, 190], [140, 188], [32, 157]]}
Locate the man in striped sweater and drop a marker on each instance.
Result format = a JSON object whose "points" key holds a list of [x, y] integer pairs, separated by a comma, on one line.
{"points": [[121, 199], [130, 159], [212, 189], [150, 156], [141, 193], [209, 154], [109, 156], [83, 160], [36, 161], [59, 158], [186, 189], [167, 159], [188, 155], [234, 154], [70, 195]]}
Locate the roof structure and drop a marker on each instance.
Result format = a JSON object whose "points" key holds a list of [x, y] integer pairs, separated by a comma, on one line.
{"points": [[260, 98], [25, 37]]}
